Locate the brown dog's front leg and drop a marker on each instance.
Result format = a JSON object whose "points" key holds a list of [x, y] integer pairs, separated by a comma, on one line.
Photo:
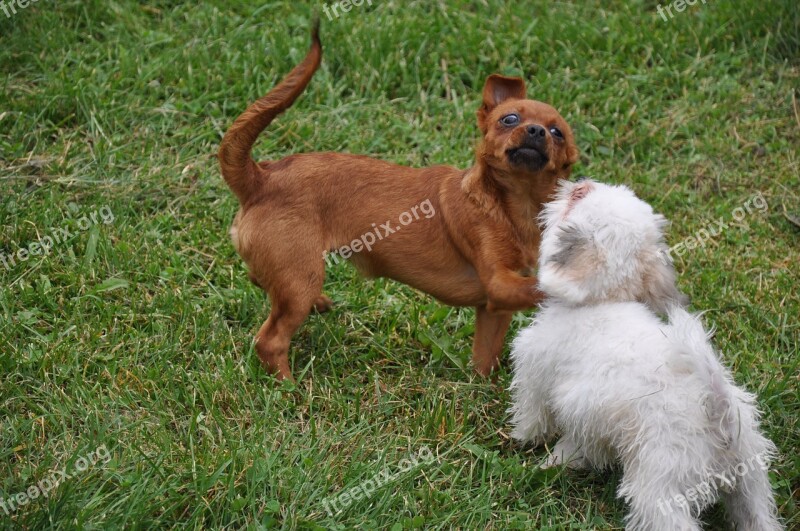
{"points": [[490, 333], [509, 291]]}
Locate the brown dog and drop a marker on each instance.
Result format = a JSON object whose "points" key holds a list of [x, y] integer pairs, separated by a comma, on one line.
{"points": [[476, 246]]}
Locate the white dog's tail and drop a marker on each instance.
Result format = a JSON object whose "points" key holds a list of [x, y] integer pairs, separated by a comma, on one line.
{"points": [[745, 486]]}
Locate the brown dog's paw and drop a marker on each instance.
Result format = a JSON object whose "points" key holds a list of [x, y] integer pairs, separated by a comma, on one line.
{"points": [[322, 304]]}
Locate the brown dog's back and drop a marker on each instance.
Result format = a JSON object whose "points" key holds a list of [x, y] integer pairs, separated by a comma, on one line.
{"points": [[332, 201]]}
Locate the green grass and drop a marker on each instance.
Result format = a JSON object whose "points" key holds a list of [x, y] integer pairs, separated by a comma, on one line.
{"points": [[136, 334]]}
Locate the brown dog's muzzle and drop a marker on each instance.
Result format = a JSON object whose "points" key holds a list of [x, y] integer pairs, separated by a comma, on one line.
{"points": [[531, 152]]}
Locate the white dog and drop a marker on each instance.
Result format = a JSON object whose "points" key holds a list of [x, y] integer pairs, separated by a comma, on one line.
{"points": [[599, 367]]}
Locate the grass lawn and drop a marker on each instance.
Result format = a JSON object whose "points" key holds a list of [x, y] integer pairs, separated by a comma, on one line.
{"points": [[126, 354]]}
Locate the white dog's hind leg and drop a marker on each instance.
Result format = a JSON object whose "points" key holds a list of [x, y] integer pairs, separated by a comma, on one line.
{"points": [[751, 506], [531, 417], [532, 422], [656, 485], [647, 512], [566, 452], [648, 520]]}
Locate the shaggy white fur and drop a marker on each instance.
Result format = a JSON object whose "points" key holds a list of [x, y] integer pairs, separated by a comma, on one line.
{"points": [[600, 368]]}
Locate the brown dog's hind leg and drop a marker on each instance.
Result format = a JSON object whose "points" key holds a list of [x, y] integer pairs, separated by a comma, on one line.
{"points": [[490, 333], [292, 301], [254, 280], [322, 304]]}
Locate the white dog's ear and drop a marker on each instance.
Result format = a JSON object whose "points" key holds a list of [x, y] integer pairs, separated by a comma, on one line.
{"points": [[570, 269], [572, 243], [660, 283]]}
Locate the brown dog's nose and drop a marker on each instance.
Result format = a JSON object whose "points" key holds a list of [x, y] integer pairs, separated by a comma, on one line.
{"points": [[536, 131], [537, 135]]}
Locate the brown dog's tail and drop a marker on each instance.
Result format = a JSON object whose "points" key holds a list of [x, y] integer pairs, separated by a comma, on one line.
{"points": [[238, 167]]}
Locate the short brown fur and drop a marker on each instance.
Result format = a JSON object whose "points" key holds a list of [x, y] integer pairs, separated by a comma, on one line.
{"points": [[479, 249]]}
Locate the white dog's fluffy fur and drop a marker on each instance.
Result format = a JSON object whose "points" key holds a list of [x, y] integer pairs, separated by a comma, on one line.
{"points": [[600, 368]]}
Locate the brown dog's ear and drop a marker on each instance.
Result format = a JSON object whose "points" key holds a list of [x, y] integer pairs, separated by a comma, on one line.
{"points": [[500, 88], [497, 90]]}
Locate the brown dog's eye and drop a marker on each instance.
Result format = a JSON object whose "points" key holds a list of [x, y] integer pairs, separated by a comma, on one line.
{"points": [[510, 120], [556, 132]]}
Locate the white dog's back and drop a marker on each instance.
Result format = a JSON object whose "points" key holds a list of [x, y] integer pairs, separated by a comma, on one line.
{"points": [[620, 384], [607, 367]]}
